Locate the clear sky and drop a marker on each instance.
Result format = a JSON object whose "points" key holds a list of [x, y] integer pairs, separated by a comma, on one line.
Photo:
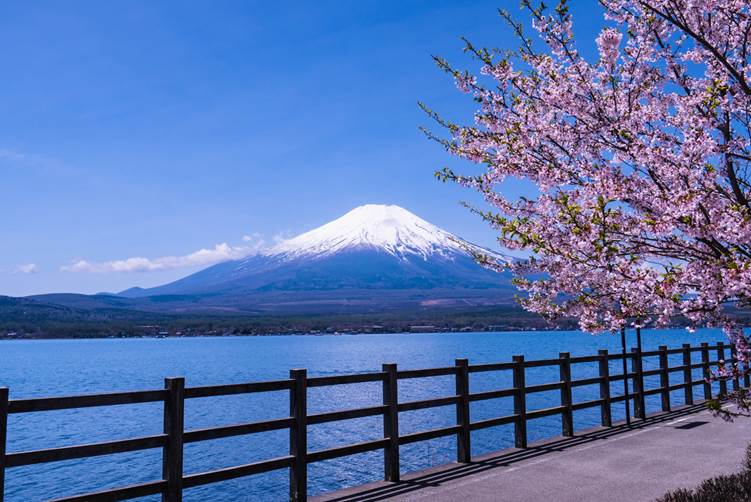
{"points": [[157, 129]]}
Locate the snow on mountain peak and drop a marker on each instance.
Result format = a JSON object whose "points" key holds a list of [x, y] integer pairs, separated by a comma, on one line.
{"points": [[385, 227]]}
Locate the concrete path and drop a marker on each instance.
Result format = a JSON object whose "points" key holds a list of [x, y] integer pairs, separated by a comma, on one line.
{"points": [[629, 464]]}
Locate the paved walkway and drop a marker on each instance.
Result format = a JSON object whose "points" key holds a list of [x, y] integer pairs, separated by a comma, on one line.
{"points": [[629, 464]]}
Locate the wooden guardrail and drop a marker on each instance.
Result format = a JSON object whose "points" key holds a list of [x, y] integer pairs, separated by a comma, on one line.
{"points": [[174, 394]]}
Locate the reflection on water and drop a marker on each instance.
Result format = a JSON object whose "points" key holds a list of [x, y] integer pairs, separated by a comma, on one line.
{"points": [[45, 368]]}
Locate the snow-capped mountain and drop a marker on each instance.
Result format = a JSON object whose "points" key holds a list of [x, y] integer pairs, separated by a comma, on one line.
{"points": [[373, 255], [390, 229]]}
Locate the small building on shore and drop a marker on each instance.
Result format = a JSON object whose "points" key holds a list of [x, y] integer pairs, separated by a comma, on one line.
{"points": [[423, 329]]}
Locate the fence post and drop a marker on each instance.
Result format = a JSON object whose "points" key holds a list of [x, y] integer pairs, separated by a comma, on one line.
{"points": [[688, 375], [391, 423], [721, 357], [605, 409], [626, 394], [174, 425], [3, 437], [734, 361], [520, 403], [705, 370], [463, 437], [567, 417], [664, 378], [636, 367], [298, 436]]}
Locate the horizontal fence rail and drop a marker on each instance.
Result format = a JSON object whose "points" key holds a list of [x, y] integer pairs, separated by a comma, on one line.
{"points": [[174, 435]]}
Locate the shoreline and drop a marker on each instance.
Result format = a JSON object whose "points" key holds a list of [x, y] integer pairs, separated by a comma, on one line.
{"points": [[307, 334], [316, 334]]}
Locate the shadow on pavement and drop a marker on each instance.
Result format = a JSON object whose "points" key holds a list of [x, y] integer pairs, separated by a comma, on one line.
{"points": [[440, 475]]}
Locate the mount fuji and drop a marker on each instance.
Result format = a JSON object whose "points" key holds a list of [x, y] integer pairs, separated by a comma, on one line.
{"points": [[374, 257]]}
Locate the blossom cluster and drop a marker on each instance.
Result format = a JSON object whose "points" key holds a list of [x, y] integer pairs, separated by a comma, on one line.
{"points": [[641, 159]]}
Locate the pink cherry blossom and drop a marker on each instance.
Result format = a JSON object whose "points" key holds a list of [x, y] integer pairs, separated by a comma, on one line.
{"points": [[642, 161], [608, 43]]}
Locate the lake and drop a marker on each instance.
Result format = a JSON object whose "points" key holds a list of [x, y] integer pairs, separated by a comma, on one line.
{"points": [[37, 368]]}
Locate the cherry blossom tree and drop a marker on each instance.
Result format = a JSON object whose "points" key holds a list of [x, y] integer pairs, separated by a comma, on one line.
{"points": [[641, 159]]}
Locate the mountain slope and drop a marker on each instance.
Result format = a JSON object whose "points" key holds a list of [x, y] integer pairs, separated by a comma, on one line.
{"points": [[379, 255]]}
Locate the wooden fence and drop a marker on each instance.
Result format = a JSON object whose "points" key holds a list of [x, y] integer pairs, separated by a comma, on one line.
{"points": [[174, 394]]}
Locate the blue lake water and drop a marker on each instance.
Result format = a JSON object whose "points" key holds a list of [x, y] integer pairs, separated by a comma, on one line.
{"points": [[63, 367]]}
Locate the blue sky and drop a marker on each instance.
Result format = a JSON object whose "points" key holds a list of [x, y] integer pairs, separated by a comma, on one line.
{"points": [[156, 129]]}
